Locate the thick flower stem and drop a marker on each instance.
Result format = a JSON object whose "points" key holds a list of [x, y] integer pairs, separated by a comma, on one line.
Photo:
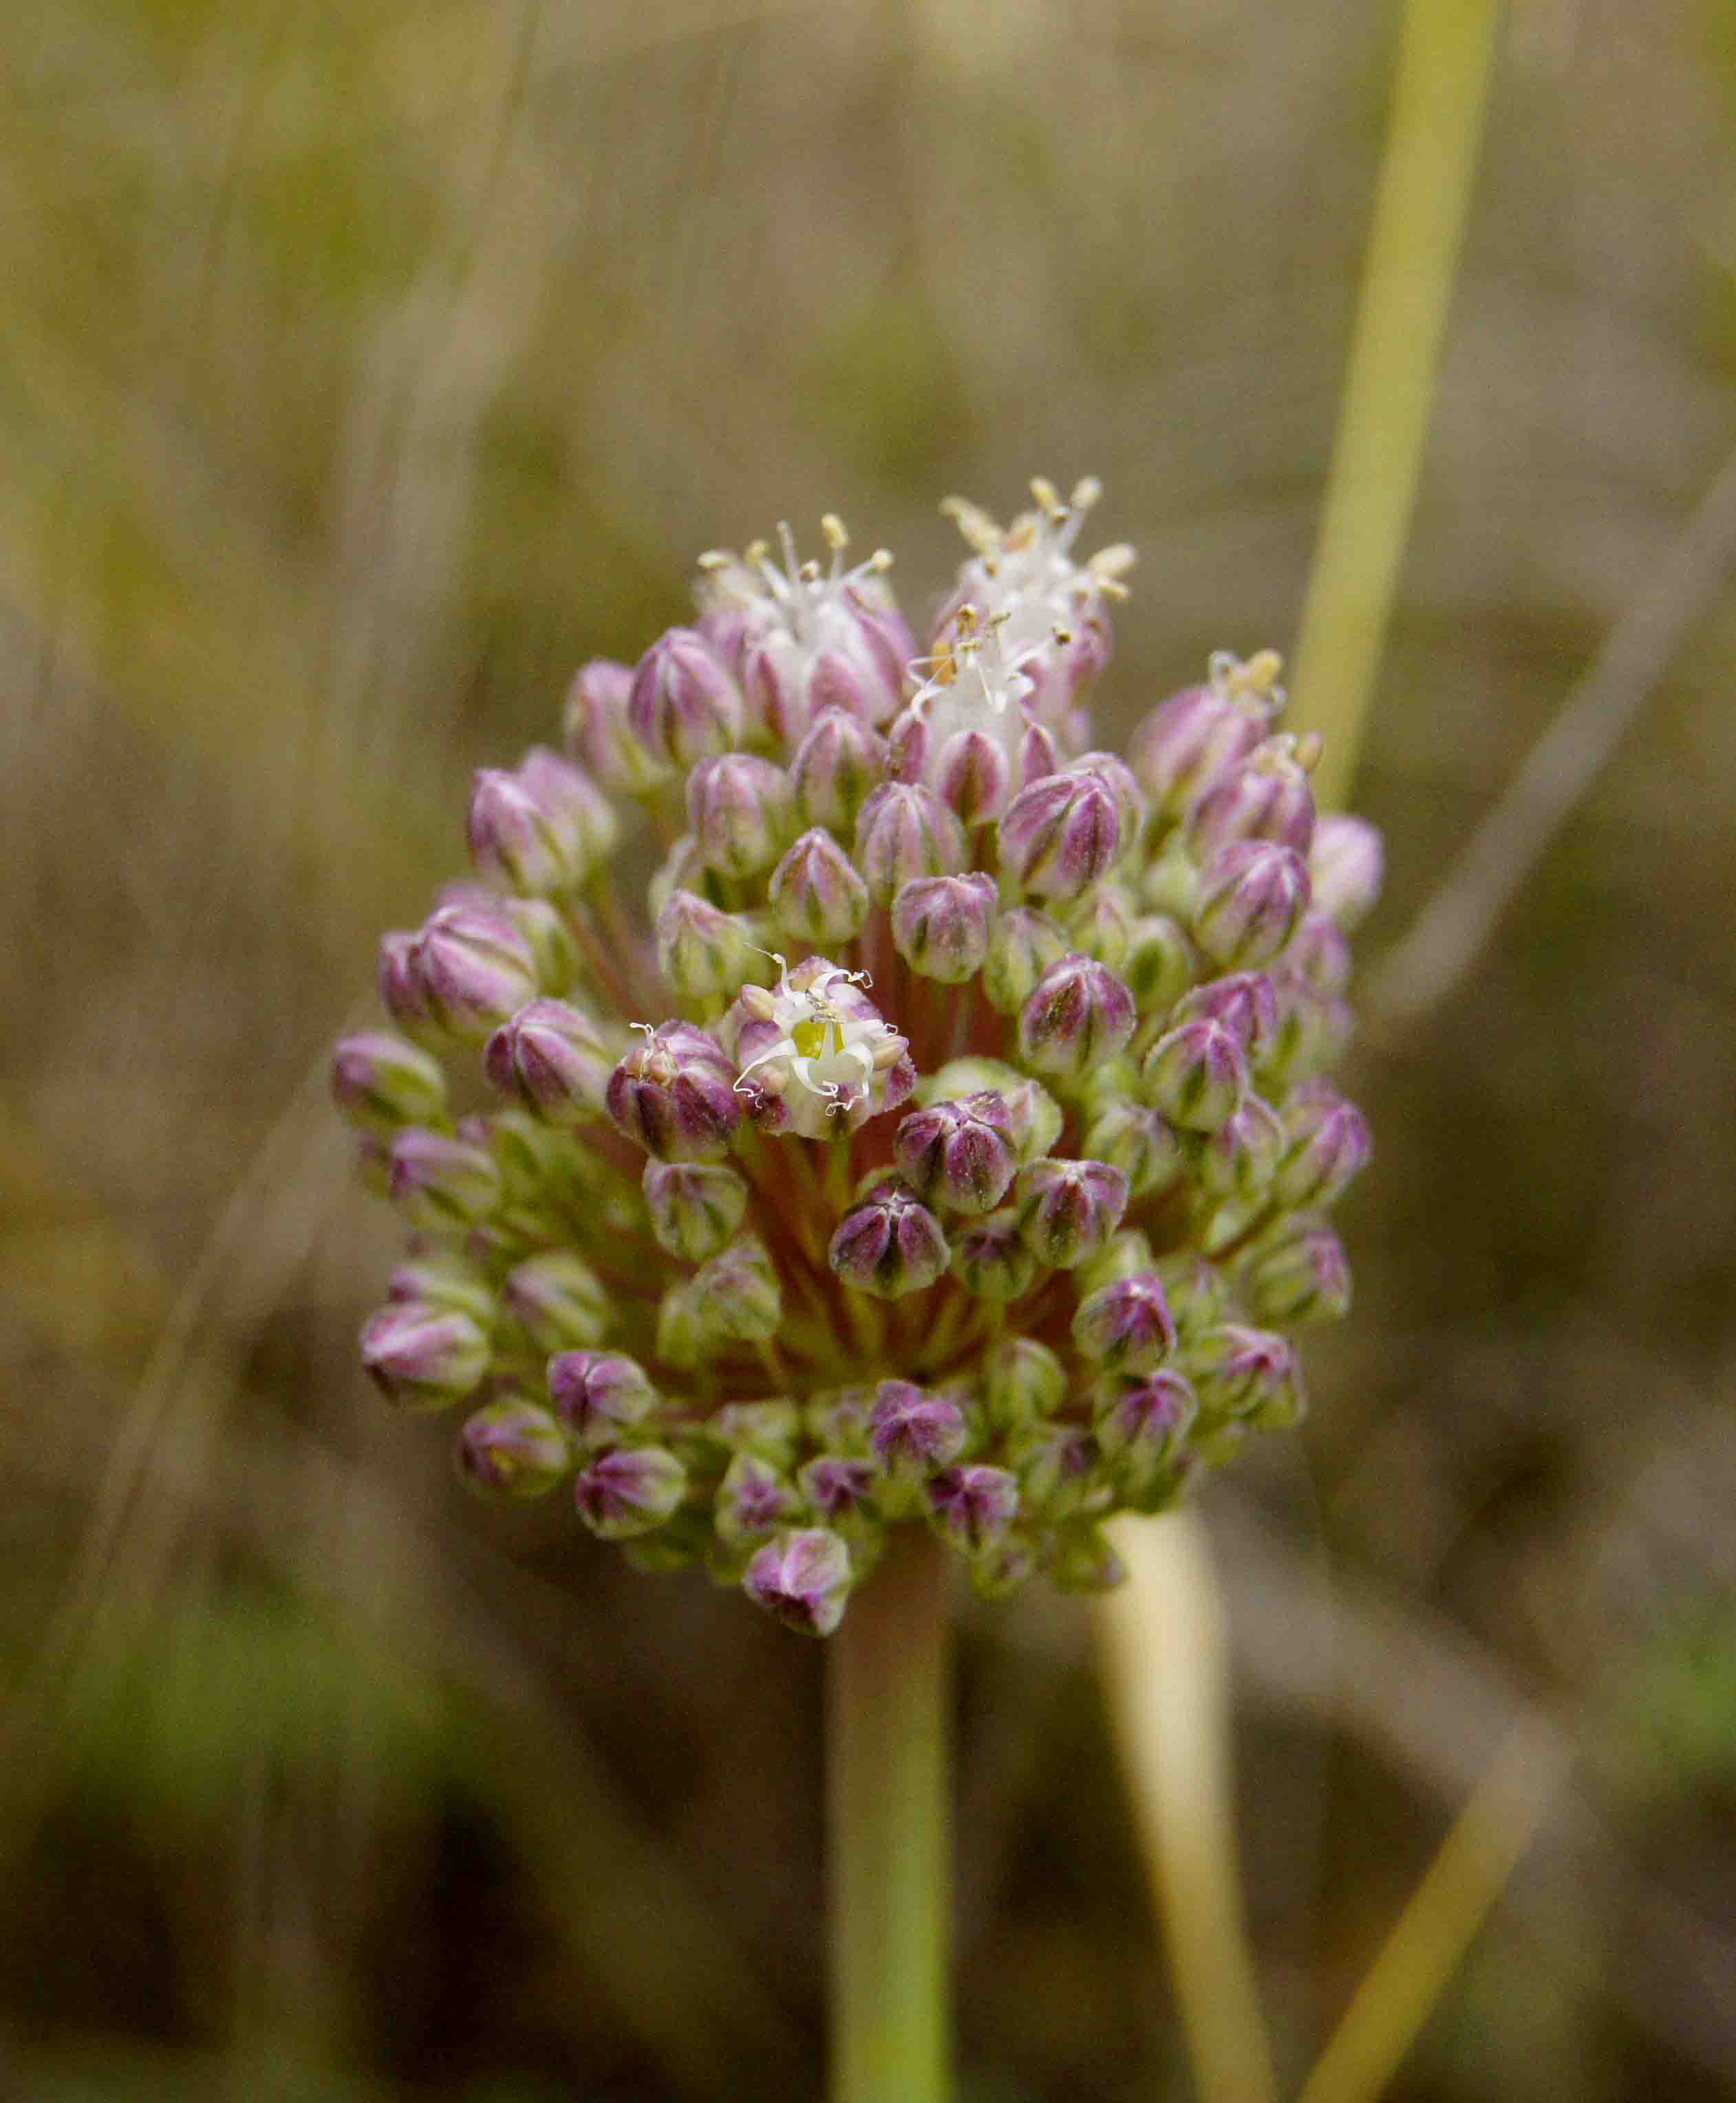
{"points": [[887, 1831]]}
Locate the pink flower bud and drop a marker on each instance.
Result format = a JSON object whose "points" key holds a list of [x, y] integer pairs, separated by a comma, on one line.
{"points": [[684, 706], [701, 949], [1300, 1276], [1320, 952], [941, 924], [839, 764], [1068, 1210], [1146, 1419], [1348, 862], [1268, 798], [674, 1094], [422, 1357], [1080, 1016], [1196, 1075], [472, 968], [753, 1499], [911, 1433], [740, 808], [380, 1082], [905, 832], [1239, 1158], [802, 1579], [695, 1206], [959, 1155], [631, 1490], [972, 1506], [402, 993], [1189, 740], [889, 1244], [1252, 897], [441, 1181], [514, 1448], [1061, 835], [1239, 1371], [540, 828], [600, 1394], [816, 893], [1125, 1327], [598, 734], [1326, 1146], [1245, 1002], [992, 1259], [551, 1056]]}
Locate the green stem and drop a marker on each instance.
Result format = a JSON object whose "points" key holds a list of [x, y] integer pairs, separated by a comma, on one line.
{"points": [[1445, 58], [887, 1828]]}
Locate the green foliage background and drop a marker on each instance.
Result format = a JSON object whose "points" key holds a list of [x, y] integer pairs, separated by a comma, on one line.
{"points": [[362, 368]]}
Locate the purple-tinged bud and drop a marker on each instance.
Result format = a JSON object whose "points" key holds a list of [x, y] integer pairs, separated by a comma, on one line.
{"points": [[913, 1434], [838, 1419], [1161, 963], [600, 1394], [1057, 1465], [424, 1357], [837, 765], [1068, 1209], [991, 1259], [1327, 1145], [1145, 1419], [1268, 798], [1034, 1115], [1240, 1157], [889, 1244], [630, 1490], [1125, 1327], [1252, 898], [440, 1279], [1245, 1372], [1061, 835], [1119, 779], [512, 1448], [684, 706], [1348, 863], [1245, 1002], [557, 1301], [815, 893], [737, 1293], [701, 949], [1320, 952], [1140, 1142], [379, 1081], [1314, 1031], [674, 1094], [1080, 1016], [402, 993], [742, 812], [552, 1058], [903, 832], [473, 968], [1198, 1296], [959, 1155], [802, 1579], [1196, 1075], [1023, 944], [598, 734], [1196, 735], [1300, 1277], [539, 830], [695, 1206], [441, 1181], [839, 1489], [941, 924], [972, 1506], [753, 1500], [1023, 1381], [1086, 1561]]}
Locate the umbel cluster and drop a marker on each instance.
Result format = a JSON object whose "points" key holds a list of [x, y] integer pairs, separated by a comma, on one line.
{"points": [[939, 1136]]}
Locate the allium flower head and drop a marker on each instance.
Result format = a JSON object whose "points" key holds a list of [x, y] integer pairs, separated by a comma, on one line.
{"points": [[938, 1140]]}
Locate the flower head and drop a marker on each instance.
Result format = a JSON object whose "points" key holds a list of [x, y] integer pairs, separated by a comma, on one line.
{"points": [[940, 1140]]}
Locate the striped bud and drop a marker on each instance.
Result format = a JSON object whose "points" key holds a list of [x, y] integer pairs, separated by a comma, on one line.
{"points": [[1196, 1075], [889, 1244], [381, 1083], [557, 1301], [1326, 1146], [992, 1261], [836, 766], [1061, 835], [816, 892], [1068, 1209], [552, 1057], [1125, 1327], [911, 1433], [702, 950], [633, 1490], [960, 1155], [422, 1357], [941, 925], [972, 1507], [905, 832], [674, 1094], [514, 1448], [683, 705], [1079, 1016], [441, 1181], [802, 1579], [600, 1394], [1300, 1276], [1252, 897], [695, 1206], [741, 810]]}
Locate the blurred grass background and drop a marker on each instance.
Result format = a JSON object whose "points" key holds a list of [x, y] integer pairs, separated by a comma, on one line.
{"points": [[362, 368]]}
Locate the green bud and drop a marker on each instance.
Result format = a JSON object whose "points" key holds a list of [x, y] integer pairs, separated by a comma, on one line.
{"points": [[1023, 1380]]}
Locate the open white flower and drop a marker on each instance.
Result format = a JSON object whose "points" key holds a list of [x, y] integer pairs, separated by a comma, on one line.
{"points": [[815, 1049]]}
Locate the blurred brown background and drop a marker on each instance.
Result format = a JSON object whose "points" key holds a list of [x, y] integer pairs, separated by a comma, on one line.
{"points": [[365, 367]]}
